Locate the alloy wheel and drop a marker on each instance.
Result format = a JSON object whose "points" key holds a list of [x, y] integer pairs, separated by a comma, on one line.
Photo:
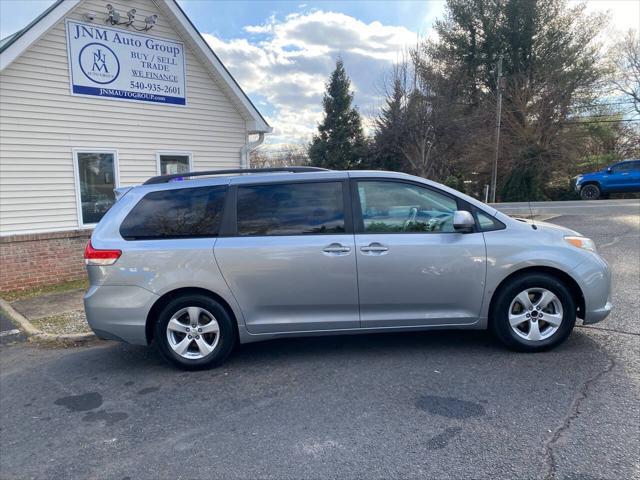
{"points": [[193, 332], [535, 314], [589, 192]]}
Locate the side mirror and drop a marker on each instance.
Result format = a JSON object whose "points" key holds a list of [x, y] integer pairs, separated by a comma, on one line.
{"points": [[463, 221], [609, 170]]}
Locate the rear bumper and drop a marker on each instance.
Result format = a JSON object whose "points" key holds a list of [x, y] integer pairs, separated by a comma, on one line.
{"points": [[119, 312]]}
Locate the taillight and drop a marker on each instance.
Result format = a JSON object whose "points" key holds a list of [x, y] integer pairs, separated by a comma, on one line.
{"points": [[93, 256]]}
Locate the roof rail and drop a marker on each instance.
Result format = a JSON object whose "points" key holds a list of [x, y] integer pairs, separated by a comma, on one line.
{"points": [[174, 176]]}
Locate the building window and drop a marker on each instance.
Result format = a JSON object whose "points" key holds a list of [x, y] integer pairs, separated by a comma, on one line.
{"points": [[96, 177], [170, 163]]}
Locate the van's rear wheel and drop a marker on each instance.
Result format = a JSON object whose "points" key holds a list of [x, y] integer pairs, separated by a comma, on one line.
{"points": [[590, 192], [194, 332], [533, 313]]}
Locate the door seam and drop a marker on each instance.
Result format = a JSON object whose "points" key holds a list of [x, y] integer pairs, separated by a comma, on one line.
{"points": [[355, 253], [215, 259], [486, 285]]}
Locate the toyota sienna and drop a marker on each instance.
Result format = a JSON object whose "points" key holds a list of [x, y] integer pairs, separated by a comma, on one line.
{"points": [[197, 262]]}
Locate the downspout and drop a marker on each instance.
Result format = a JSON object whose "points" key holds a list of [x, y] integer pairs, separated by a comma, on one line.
{"points": [[247, 148]]}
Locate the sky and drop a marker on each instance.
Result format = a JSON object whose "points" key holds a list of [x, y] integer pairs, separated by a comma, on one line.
{"points": [[282, 52]]}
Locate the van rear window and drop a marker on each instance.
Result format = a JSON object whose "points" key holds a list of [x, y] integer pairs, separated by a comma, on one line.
{"points": [[178, 213]]}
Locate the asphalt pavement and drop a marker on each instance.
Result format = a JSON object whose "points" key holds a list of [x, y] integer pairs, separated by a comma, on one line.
{"points": [[430, 405], [8, 331]]}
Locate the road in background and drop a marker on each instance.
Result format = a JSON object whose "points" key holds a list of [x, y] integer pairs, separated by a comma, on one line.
{"points": [[601, 208], [423, 405]]}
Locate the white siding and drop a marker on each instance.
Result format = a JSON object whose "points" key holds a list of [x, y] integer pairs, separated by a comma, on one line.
{"points": [[41, 123]]}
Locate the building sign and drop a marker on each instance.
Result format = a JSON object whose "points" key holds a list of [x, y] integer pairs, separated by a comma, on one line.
{"points": [[124, 65]]}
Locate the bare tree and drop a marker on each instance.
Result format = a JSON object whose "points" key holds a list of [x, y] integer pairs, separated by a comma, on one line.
{"points": [[627, 69], [284, 155], [418, 129], [419, 136]]}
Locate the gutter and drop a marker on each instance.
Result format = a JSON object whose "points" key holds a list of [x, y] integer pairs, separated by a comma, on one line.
{"points": [[248, 148]]}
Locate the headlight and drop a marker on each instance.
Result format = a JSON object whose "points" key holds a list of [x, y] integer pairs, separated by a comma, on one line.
{"points": [[578, 178], [581, 242]]}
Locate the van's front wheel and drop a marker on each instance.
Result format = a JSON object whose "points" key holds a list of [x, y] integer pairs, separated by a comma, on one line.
{"points": [[194, 332], [533, 313]]}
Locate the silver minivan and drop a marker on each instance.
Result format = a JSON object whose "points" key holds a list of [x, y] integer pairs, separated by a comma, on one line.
{"points": [[198, 262]]}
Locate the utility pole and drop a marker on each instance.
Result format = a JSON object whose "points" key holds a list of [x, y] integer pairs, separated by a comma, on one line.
{"points": [[494, 172]]}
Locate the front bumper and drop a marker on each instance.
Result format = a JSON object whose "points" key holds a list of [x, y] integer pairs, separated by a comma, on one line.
{"points": [[594, 279], [119, 312], [597, 315]]}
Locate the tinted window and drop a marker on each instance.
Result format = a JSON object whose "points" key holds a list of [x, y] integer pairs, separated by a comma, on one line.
{"points": [[290, 209], [389, 207], [624, 167], [185, 212], [634, 165]]}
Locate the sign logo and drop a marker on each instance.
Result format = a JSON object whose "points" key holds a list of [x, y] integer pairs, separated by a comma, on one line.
{"points": [[99, 63]]}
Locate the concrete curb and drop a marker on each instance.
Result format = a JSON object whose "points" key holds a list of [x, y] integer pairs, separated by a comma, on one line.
{"points": [[35, 335]]}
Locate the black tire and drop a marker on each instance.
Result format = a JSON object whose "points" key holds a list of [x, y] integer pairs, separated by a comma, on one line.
{"points": [[590, 192], [227, 333], [499, 321]]}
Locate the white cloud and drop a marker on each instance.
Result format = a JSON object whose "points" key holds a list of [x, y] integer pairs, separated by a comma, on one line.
{"points": [[623, 14], [286, 62]]}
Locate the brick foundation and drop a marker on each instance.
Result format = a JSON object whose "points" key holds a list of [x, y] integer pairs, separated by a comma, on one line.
{"points": [[41, 258]]}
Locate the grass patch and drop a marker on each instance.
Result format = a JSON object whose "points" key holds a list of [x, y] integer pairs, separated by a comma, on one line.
{"points": [[13, 295]]}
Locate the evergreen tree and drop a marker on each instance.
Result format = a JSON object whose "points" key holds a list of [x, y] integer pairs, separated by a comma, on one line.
{"points": [[340, 143], [390, 131]]}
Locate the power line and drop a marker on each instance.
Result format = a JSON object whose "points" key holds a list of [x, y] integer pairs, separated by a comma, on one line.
{"points": [[606, 104], [483, 117], [600, 121], [599, 115]]}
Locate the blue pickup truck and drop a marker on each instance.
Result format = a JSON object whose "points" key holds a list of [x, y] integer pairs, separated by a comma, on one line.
{"points": [[618, 178]]}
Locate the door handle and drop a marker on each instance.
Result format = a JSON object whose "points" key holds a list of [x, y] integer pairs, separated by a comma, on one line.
{"points": [[374, 248], [336, 249]]}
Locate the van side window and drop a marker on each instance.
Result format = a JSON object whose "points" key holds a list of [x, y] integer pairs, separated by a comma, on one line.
{"points": [[398, 207], [176, 213], [290, 209]]}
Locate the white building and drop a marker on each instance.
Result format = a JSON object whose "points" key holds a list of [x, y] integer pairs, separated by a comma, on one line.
{"points": [[96, 94]]}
